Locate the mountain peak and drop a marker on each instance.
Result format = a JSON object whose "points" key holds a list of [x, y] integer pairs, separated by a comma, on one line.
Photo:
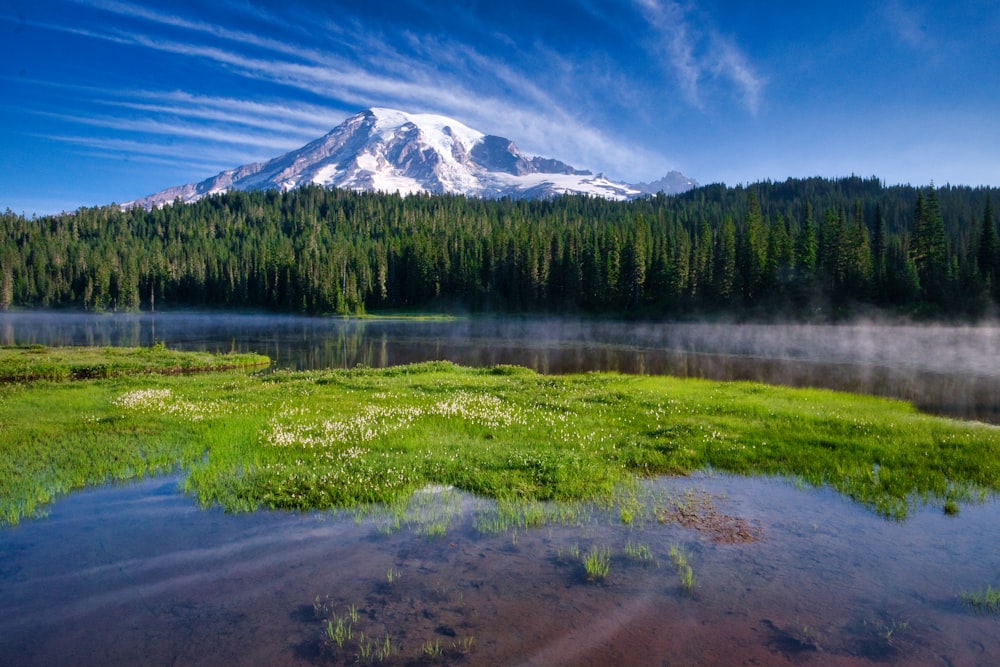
{"points": [[673, 183], [389, 150]]}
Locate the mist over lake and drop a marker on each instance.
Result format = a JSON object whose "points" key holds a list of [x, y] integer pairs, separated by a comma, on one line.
{"points": [[947, 369], [782, 574]]}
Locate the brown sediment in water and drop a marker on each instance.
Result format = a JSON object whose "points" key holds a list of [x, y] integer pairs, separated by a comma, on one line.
{"points": [[698, 511]]}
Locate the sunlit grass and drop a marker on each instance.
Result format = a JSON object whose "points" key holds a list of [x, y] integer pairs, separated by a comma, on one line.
{"points": [[364, 437], [37, 362], [597, 564]]}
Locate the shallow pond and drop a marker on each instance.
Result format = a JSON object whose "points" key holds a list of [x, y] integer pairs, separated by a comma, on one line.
{"points": [[781, 575], [137, 575]]}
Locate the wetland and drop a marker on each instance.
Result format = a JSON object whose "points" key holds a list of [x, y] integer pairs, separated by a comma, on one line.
{"points": [[543, 514]]}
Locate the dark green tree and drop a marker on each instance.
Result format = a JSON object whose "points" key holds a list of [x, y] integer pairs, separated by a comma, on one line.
{"points": [[930, 249], [988, 251]]}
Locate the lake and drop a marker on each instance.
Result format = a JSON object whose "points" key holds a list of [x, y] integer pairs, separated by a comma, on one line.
{"points": [[782, 575], [952, 370]]}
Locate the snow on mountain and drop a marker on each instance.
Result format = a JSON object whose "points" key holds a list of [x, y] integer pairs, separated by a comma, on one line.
{"points": [[386, 150], [673, 183]]}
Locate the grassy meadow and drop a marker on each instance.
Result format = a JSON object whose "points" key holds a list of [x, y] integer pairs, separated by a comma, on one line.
{"points": [[350, 438]]}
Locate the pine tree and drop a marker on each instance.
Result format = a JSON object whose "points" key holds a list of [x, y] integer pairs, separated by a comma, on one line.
{"points": [[753, 250], [805, 244], [988, 254], [859, 254], [725, 262], [930, 249], [879, 256]]}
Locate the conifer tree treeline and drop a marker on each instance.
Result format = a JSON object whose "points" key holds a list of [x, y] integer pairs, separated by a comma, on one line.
{"points": [[799, 247]]}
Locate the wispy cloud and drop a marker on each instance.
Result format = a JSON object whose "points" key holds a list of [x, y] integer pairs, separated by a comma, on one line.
{"points": [[176, 154], [349, 66], [287, 120], [163, 19], [905, 23], [695, 52], [361, 69], [226, 135]]}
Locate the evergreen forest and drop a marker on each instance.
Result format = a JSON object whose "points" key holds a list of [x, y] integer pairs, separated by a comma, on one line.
{"points": [[805, 248]]}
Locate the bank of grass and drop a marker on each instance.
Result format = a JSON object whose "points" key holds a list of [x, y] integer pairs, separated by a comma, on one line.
{"points": [[29, 363], [388, 316], [346, 438]]}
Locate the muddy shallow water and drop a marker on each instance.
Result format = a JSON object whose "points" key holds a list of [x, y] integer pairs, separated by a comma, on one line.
{"points": [[782, 575], [139, 575]]}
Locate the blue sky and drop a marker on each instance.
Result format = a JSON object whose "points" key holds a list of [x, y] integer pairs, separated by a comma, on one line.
{"points": [[108, 100]]}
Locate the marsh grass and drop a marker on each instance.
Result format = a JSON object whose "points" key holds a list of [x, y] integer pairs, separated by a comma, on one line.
{"points": [[983, 601], [428, 511], [33, 363], [597, 564], [351, 634], [510, 515], [639, 552], [680, 560], [432, 649], [344, 635], [538, 445], [887, 631]]}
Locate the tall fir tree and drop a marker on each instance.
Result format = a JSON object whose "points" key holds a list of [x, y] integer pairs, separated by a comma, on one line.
{"points": [[930, 249], [988, 254], [806, 244], [724, 272], [879, 257]]}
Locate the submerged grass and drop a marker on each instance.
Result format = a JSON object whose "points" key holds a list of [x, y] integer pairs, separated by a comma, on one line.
{"points": [[351, 438], [680, 560], [984, 601]]}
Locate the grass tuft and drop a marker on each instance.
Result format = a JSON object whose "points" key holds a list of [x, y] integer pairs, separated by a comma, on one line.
{"points": [[984, 601], [597, 564]]}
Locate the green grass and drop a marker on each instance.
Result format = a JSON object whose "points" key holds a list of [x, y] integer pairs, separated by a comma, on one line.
{"points": [[403, 316], [639, 552], [680, 560], [352, 438], [597, 564], [36, 362], [984, 601]]}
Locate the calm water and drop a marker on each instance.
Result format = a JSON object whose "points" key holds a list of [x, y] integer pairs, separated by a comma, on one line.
{"points": [[139, 575], [949, 370]]}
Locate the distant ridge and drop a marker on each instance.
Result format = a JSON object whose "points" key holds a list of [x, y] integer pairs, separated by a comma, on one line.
{"points": [[673, 183], [387, 150]]}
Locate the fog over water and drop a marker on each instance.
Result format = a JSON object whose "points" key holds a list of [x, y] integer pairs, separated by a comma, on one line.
{"points": [[952, 370], [139, 574]]}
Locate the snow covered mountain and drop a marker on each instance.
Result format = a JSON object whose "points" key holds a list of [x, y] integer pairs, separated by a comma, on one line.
{"points": [[392, 151], [673, 183]]}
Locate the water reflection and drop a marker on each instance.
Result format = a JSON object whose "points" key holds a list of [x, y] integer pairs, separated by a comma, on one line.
{"points": [[947, 370], [137, 575]]}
